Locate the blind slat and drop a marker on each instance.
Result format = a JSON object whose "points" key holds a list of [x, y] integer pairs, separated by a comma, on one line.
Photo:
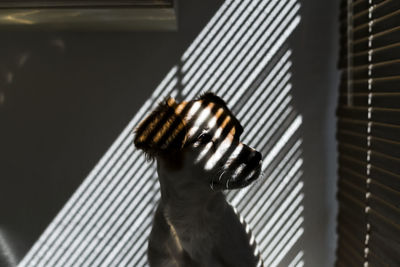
{"points": [[352, 221], [386, 177], [352, 163], [377, 39], [355, 245], [350, 256], [376, 144], [381, 144], [383, 19], [386, 209], [385, 162], [378, 100], [375, 70], [375, 260], [381, 84], [381, 255], [386, 193], [354, 236], [383, 226], [356, 178], [377, 115], [384, 131], [384, 8], [388, 245], [377, 54], [356, 206], [380, 160], [355, 190]]}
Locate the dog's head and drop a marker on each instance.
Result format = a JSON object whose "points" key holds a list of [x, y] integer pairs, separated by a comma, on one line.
{"points": [[202, 139]]}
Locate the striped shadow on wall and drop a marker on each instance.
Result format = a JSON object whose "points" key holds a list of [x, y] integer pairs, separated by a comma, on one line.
{"points": [[242, 56]]}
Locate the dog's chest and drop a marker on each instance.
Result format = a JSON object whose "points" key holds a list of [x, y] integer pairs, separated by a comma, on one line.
{"points": [[199, 247], [195, 234]]}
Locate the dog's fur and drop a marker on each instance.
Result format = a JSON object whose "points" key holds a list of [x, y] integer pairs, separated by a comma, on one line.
{"points": [[198, 153]]}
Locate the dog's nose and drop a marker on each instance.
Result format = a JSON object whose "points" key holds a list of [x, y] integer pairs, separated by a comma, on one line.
{"points": [[256, 156], [249, 154]]}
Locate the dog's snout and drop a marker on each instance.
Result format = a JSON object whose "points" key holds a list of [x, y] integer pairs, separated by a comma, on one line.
{"points": [[252, 155], [254, 158]]}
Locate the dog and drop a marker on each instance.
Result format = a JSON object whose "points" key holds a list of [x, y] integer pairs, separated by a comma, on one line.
{"points": [[198, 153]]}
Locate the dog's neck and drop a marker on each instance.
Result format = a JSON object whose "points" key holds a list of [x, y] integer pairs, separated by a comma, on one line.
{"points": [[187, 203], [193, 211]]}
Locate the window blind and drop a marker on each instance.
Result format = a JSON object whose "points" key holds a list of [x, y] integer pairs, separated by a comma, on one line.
{"points": [[369, 134]]}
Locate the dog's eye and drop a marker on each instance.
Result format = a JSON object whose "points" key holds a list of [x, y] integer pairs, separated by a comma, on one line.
{"points": [[204, 138]]}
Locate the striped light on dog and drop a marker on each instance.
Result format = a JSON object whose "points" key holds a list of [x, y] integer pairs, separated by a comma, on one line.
{"points": [[241, 55]]}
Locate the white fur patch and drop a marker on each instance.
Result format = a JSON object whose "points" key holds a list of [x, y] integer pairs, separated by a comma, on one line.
{"points": [[195, 107], [218, 154], [203, 116]]}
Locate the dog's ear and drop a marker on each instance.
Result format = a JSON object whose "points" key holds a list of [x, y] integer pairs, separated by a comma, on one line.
{"points": [[162, 132], [211, 97]]}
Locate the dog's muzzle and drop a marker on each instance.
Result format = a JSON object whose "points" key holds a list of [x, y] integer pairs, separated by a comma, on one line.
{"points": [[241, 171]]}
